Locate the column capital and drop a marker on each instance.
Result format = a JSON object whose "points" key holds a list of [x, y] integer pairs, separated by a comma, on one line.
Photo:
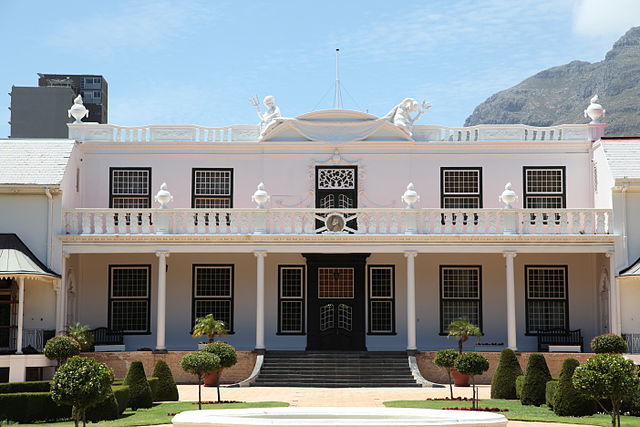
{"points": [[410, 253], [66, 254], [163, 253], [610, 254], [509, 254], [260, 253]]}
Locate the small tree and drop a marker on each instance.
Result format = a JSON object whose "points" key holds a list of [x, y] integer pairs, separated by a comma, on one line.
{"points": [[227, 355], [609, 343], [535, 381], [210, 327], [446, 359], [199, 363], [167, 389], [82, 334], [503, 383], [463, 330], [61, 348], [81, 383], [568, 401], [472, 364], [139, 390], [607, 377]]}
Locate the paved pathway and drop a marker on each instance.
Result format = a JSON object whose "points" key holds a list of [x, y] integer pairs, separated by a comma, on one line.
{"points": [[339, 396]]}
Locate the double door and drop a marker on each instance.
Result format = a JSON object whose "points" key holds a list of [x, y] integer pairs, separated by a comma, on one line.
{"points": [[336, 298]]}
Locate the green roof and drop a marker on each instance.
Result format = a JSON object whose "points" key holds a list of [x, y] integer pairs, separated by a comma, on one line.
{"points": [[17, 260]]}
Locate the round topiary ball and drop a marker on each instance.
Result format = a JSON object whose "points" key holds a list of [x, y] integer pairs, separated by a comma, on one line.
{"points": [[61, 348], [226, 353], [471, 364], [609, 343], [446, 358]]}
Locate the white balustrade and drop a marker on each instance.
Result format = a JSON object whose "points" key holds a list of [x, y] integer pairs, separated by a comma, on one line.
{"points": [[366, 221]]}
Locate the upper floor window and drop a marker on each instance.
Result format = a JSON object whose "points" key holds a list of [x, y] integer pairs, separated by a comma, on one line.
{"points": [[547, 306], [461, 188], [212, 188], [130, 188], [544, 187]]}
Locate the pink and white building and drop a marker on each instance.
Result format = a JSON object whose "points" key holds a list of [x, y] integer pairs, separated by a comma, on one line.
{"points": [[334, 230]]}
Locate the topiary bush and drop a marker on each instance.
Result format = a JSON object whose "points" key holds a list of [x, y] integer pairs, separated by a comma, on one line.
{"points": [[446, 359], [503, 383], [535, 381], [226, 353], [519, 385], [609, 343], [121, 393], [607, 377], [61, 348], [106, 410], [550, 393], [26, 408], [81, 383], [199, 363], [568, 401], [167, 389], [139, 390], [472, 364], [153, 385], [25, 387]]}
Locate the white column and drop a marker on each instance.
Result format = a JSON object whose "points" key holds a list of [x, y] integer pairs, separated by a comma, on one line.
{"points": [[20, 314], [162, 300], [260, 255], [614, 296], [511, 302], [61, 298], [411, 299]]}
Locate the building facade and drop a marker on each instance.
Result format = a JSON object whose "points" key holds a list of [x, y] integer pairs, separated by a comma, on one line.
{"points": [[336, 230]]}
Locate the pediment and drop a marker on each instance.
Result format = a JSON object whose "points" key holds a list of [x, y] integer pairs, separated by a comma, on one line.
{"points": [[335, 126]]}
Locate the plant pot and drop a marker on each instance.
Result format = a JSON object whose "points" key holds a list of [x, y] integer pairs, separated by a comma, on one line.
{"points": [[202, 345], [460, 380], [211, 379]]}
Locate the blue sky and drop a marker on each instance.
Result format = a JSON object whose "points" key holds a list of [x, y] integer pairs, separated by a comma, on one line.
{"points": [[200, 61]]}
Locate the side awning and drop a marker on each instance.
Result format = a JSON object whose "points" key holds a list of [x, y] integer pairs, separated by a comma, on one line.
{"points": [[16, 260], [632, 271]]}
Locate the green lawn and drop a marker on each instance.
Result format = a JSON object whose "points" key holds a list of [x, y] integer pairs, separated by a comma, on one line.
{"points": [[158, 413], [517, 411]]}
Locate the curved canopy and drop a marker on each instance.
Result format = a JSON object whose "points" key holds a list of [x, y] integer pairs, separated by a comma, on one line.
{"points": [[16, 260]]}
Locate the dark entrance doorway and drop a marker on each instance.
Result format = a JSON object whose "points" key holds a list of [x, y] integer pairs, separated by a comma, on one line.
{"points": [[336, 301]]}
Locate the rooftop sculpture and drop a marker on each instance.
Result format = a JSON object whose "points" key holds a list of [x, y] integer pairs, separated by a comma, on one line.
{"points": [[269, 118], [400, 115]]}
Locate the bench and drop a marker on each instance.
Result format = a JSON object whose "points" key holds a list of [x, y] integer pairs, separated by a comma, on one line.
{"points": [[104, 339], [560, 340]]}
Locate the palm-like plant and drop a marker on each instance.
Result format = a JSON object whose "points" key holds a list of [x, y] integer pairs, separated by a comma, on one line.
{"points": [[82, 334], [210, 327], [462, 330]]}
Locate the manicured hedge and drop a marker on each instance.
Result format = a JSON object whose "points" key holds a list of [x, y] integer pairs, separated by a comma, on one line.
{"points": [[503, 383], [105, 410], [31, 407], [550, 393], [25, 387], [154, 384], [167, 389], [140, 395], [519, 385]]}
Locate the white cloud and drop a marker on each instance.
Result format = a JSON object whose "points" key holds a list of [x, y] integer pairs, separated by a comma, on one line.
{"points": [[596, 18]]}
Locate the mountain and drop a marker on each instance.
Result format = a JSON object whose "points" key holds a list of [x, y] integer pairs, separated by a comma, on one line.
{"points": [[560, 94]]}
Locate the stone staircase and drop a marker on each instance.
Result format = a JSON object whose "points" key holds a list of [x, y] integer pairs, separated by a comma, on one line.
{"points": [[335, 369]]}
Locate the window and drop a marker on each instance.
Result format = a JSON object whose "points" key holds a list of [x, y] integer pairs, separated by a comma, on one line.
{"points": [[547, 305], [461, 188], [130, 188], [544, 187], [291, 313], [460, 295], [212, 188], [129, 298], [213, 292], [381, 299], [335, 283]]}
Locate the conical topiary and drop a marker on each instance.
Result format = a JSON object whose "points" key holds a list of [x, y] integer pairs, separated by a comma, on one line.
{"points": [[167, 390], [569, 402], [503, 383], [535, 381], [139, 389], [105, 410]]}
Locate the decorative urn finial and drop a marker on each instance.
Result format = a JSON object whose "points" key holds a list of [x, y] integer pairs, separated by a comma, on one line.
{"points": [[78, 110], [594, 111], [508, 196], [260, 197], [163, 196], [410, 197]]}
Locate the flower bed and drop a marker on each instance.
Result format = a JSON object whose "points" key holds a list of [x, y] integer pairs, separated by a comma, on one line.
{"points": [[455, 399], [479, 409]]}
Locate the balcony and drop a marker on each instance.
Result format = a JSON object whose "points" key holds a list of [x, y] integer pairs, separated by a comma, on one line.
{"points": [[339, 224]]}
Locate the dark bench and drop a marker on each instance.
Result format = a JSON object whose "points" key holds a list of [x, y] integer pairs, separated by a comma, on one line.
{"points": [[105, 336], [559, 337]]}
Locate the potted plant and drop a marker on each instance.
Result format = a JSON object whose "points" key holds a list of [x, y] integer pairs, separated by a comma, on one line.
{"points": [[210, 327], [462, 330], [227, 355]]}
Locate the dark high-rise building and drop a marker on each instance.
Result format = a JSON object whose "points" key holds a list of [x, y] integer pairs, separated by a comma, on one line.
{"points": [[93, 88]]}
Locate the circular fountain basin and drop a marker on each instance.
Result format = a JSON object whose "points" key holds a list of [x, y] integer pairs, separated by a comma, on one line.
{"points": [[326, 417]]}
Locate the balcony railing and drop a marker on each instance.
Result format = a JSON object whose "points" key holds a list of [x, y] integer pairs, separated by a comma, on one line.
{"points": [[34, 338], [338, 222]]}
